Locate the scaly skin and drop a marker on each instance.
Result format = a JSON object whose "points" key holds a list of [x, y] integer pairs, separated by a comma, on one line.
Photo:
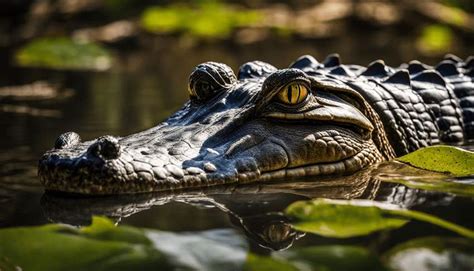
{"points": [[239, 129]]}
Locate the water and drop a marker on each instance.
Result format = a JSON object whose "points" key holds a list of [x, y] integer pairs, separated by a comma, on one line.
{"points": [[142, 90]]}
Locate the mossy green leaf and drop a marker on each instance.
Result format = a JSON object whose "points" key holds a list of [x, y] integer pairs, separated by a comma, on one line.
{"points": [[104, 246], [452, 186], [442, 158], [341, 219], [349, 218], [63, 53], [58, 247]]}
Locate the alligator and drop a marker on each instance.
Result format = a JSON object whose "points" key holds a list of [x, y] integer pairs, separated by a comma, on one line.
{"points": [[270, 124]]}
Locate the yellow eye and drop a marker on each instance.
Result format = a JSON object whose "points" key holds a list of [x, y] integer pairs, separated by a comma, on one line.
{"points": [[293, 94]]}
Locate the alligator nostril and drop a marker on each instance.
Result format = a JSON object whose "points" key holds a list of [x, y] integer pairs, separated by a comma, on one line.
{"points": [[107, 147], [68, 139]]}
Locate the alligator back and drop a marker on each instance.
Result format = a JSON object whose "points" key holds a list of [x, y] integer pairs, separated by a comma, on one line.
{"points": [[419, 105]]}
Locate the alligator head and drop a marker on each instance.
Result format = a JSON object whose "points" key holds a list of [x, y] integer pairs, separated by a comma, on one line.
{"points": [[264, 124]]}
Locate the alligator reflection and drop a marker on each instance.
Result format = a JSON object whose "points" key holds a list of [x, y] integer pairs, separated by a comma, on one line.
{"points": [[254, 208]]}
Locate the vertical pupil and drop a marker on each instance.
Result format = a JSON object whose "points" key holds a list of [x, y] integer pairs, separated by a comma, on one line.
{"points": [[298, 94], [289, 93]]}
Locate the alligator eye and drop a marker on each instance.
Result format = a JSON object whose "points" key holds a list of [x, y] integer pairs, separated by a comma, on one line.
{"points": [[208, 79], [293, 94], [201, 90]]}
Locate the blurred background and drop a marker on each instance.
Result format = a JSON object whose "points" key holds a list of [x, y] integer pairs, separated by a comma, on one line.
{"points": [[120, 66]]}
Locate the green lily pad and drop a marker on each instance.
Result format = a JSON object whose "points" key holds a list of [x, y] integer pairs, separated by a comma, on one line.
{"points": [[398, 172], [104, 246], [63, 53], [349, 218], [341, 219], [442, 158], [440, 185], [60, 247]]}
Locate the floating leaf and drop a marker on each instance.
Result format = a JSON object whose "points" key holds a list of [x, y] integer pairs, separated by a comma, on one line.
{"points": [[63, 53], [441, 158], [398, 172], [349, 218], [342, 219], [441, 185], [432, 253], [103, 246]]}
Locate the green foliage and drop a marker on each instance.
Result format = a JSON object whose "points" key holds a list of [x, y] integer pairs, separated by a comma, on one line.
{"points": [[349, 218], [441, 158], [266, 263], [340, 219], [59, 247], [103, 246], [207, 20], [327, 258], [435, 38], [63, 53], [445, 185]]}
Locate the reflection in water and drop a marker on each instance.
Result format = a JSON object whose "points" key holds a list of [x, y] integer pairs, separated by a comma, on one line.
{"points": [[254, 208]]}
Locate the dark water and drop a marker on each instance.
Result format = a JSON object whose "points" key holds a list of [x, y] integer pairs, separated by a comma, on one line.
{"points": [[142, 90]]}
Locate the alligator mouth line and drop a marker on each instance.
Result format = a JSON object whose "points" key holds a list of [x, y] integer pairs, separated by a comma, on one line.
{"points": [[345, 166], [355, 129]]}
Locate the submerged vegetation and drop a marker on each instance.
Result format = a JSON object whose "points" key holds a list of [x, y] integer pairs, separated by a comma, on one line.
{"points": [[63, 53], [207, 19]]}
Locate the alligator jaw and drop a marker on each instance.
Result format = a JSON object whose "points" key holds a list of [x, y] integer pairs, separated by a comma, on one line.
{"points": [[107, 166]]}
